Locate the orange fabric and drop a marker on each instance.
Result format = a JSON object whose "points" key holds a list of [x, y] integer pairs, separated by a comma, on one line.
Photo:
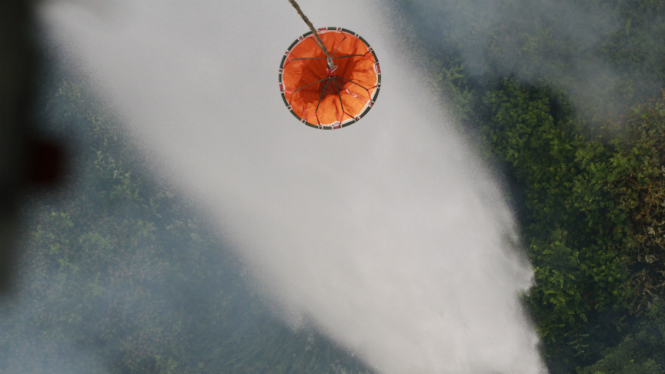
{"points": [[308, 84]]}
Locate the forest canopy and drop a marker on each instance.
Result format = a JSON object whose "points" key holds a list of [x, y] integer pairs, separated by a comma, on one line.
{"points": [[582, 152], [584, 162]]}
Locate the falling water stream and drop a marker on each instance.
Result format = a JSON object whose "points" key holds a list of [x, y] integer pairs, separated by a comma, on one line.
{"points": [[388, 236]]}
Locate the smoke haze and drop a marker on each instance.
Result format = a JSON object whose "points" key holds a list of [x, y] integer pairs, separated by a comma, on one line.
{"points": [[389, 236], [577, 47]]}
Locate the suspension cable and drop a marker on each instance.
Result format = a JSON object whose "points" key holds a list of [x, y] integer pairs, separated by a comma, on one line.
{"points": [[318, 41]]}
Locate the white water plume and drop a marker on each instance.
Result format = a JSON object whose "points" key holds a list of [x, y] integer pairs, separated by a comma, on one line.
{"points": [[389, 236]]}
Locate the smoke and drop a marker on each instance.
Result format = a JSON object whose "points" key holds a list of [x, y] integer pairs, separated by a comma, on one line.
{"points": [[389, 236], [590, 50]]}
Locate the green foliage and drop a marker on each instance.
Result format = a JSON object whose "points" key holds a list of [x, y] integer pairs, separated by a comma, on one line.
{"points": [[551, 93], [639, 353], [592, 216], [122, 268], [639, 183], [569, 217], [121, 276]]}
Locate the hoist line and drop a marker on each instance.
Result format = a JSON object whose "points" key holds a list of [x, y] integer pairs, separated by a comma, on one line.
{"points": [[318, 41]]}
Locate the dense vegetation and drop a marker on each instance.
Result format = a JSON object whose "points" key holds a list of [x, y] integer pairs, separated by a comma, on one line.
{"points": [[118, 275], [117, 268], [592, 216], [584, 157]]}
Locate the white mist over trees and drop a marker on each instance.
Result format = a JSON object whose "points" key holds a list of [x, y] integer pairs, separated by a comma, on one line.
{"points": [[390, 236]]}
